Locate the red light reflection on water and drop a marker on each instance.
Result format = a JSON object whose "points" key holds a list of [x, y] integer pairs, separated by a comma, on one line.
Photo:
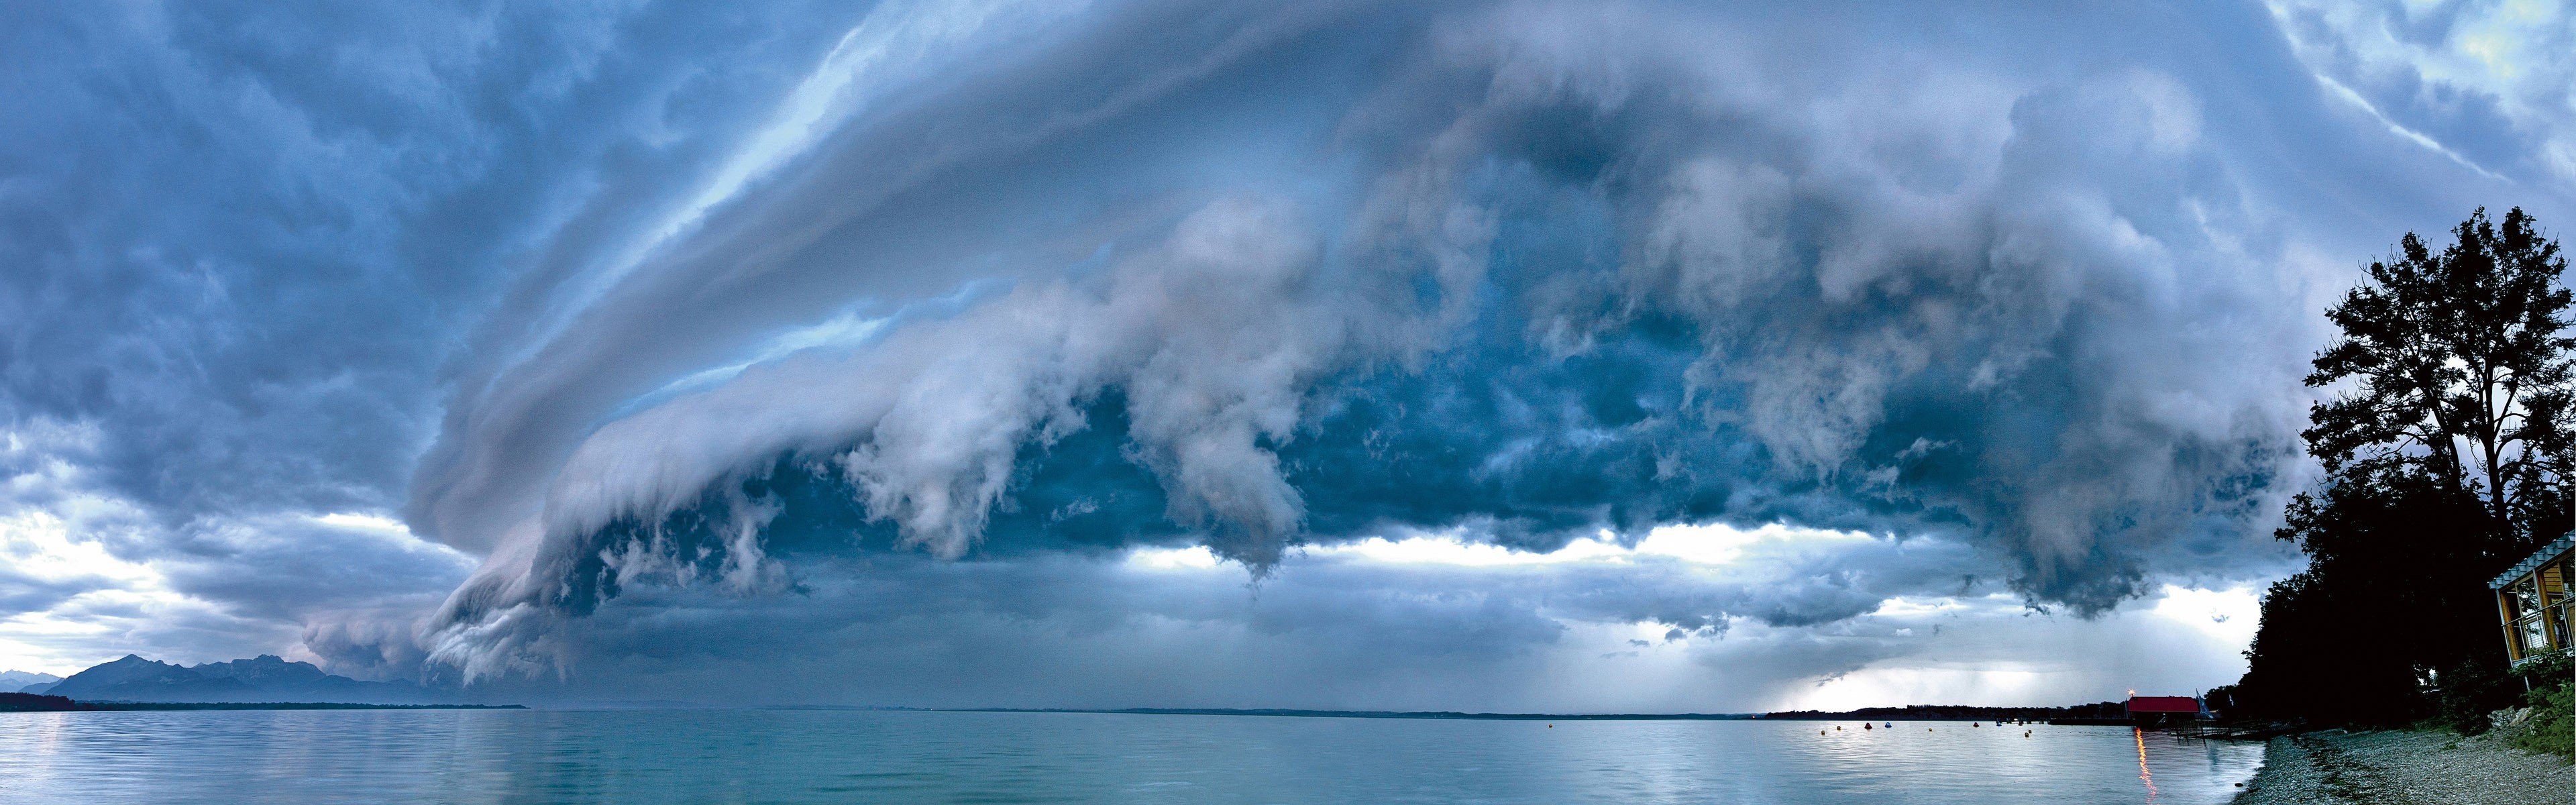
{"points": [[2144, 776]]}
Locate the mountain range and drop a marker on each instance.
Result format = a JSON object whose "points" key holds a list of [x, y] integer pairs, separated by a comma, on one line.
{"points": [[265, 678], [21, 681]]}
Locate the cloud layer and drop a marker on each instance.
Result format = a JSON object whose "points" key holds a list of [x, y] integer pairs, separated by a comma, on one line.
{"points": [[805, 329], [1652, 284]]}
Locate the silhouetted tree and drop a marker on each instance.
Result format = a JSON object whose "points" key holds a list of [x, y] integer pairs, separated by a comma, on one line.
{"points": [[2444, 449], [2460, 366]]}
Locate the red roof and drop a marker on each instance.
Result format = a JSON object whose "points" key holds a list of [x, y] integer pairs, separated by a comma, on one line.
{"points": [[2163, 704]]}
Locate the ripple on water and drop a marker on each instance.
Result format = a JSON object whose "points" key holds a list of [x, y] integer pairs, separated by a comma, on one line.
{"points": [[799, 756]]}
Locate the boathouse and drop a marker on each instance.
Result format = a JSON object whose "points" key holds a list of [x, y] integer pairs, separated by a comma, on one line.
{"points": [[2532, 598], [2162, 710]]}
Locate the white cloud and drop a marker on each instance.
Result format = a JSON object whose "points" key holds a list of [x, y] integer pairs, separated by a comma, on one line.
{"points": [[2417, 66], [62, 586], [87, 576], [1714, 545]]}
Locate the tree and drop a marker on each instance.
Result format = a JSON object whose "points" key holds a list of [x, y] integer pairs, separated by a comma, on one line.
{"points": [[2445, 449], [2461, 368]]}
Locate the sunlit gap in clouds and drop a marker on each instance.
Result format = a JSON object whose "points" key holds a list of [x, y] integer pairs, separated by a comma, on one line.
{"points": [[370, 523], [1968, 648], [42, 548], [2199, 625], [842, 331], [1713, 545], [120, 598]]}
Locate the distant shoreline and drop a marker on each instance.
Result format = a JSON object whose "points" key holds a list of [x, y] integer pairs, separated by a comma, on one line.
{"points": [[1410, 714], [19, 703], [32, 703], [289, 706], [1923, 714]]}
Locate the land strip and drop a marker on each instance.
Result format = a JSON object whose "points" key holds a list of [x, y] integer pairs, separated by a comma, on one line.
{"points": [[2395, 767]]}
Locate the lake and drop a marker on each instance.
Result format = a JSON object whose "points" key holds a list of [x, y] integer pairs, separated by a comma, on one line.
{"points": [[814, 756]]}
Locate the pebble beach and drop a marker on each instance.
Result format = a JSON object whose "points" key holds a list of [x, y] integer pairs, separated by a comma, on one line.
{"points": [[2406, 768]]}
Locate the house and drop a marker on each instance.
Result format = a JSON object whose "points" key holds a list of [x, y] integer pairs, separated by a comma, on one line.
{"points": [[2532, 598], [2159, 710]]}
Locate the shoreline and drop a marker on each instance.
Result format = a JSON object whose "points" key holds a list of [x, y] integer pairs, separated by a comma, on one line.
{"points": [[2404, 766], [57, 704]]}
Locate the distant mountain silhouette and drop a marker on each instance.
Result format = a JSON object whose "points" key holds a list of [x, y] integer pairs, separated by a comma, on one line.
{"points": [[265, 678], [20, 681]]}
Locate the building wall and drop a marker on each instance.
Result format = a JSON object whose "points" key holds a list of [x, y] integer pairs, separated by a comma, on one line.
{"points": [[2536, 607]]}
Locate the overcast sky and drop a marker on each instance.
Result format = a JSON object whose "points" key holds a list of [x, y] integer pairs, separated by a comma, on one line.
{"points": [[1486, 356]]}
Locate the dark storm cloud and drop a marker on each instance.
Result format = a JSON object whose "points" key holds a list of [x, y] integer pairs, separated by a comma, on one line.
{"points": [[299, 570], [1549, 287], [974, 150], [782, 332], [240, 240], [23, 593], [241, 237]]}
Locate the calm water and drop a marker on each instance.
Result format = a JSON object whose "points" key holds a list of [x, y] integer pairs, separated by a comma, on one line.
{"points": [[746, 756]]}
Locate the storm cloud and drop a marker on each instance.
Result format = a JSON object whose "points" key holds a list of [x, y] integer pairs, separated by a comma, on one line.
{"points": [[757, 338]]}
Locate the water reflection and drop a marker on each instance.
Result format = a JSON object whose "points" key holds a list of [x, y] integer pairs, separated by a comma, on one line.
{"points": [[2144, 776], [792, 756]]}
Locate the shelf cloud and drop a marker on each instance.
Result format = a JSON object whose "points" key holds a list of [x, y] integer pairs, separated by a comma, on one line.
{"points": [[892, 348]]}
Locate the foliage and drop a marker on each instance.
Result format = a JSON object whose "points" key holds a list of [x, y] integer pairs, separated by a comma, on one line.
{"points": [[2458, 366], [2444, 447], [2547, 670], [25, 702], [2472, 691], [2552, 699]]}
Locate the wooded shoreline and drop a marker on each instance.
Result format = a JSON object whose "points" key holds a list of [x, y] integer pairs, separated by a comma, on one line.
{"points": [[38, 703]]}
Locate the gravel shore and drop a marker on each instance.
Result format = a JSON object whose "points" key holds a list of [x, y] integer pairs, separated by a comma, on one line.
{"points": [[2406, 768]]}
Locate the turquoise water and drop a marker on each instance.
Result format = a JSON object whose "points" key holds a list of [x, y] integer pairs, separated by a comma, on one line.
{"points": [[802, 756]]}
